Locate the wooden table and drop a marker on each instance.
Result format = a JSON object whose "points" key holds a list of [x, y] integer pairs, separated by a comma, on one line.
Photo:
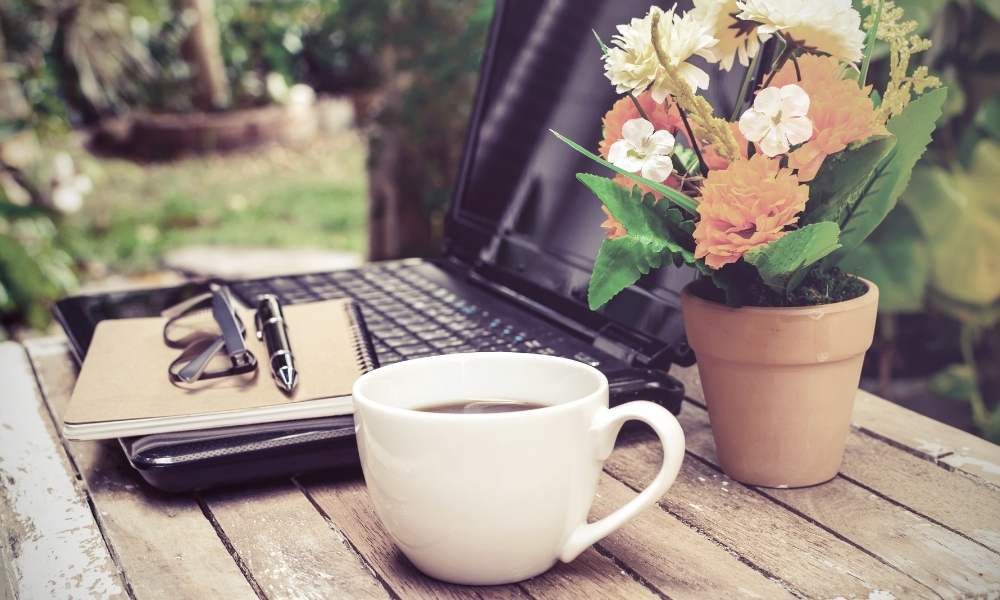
{"points": [[914, 513]]}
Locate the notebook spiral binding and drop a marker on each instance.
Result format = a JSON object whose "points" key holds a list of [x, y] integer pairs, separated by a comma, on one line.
{"points": [[364, 349]]}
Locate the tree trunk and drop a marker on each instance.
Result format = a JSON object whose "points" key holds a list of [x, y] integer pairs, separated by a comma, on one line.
{"points": [[398, 225], [201, 51]]}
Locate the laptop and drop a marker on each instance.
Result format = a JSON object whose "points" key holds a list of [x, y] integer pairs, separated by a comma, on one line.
{"points": [[521, 236]]}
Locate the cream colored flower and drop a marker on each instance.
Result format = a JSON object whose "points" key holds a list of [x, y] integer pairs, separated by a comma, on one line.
{"points": [[737, 37], [829, 26], [632, 66], [643, 150], [777, 120]]}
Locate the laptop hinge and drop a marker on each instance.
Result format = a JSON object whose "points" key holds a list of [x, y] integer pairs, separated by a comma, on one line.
{"points": [[611, 339], [616, 341]]}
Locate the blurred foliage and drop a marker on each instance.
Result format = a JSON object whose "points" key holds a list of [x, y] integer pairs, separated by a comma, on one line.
{"points": [[433, 76], [936, 253], [84, 59], [35, 268]]}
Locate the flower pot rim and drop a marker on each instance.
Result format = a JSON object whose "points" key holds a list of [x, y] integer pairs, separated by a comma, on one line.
{"points": [[842, 306]]}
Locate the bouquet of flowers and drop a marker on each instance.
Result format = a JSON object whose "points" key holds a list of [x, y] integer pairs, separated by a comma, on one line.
{"points": [[768, 200]]}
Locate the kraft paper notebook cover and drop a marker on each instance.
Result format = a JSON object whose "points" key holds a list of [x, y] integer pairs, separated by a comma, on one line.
{"points": [[123, 389]]}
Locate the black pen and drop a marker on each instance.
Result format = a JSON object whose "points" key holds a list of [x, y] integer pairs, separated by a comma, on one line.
{"points": [[273, 331]]}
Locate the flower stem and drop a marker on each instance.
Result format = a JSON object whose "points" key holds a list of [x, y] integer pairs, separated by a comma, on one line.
{"points": [[870, 38], [786, 53], [694, 142], [741, 98], [635, 101]]}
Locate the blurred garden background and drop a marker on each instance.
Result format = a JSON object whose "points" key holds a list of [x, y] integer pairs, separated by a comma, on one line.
{"points": [[133, 130]]}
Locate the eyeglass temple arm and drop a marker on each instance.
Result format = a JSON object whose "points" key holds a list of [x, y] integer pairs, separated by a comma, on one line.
{"points": [[193, 370]]}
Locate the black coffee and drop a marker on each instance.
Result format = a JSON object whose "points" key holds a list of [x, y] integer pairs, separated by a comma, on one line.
{"points": [[478, 406]]}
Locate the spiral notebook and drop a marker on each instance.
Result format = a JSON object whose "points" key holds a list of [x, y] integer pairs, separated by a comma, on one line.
{"points": [[123, 389]]}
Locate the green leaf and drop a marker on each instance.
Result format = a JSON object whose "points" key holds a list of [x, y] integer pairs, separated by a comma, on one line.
{"points": [[680, 199], [620, 263], [643, 217], [600, 42], [843, 180], [896, 257], [687, 160], [959, 215], [954, 382], [990, 6], [783, 264], [654, 231], [912, 129], [988, 118]]}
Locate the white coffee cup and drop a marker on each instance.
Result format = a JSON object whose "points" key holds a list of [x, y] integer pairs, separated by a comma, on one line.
{"points": [[496, 498]]}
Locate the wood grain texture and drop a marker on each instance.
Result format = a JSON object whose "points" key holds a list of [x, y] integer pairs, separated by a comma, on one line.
{"points": [[348, 507], [164, 543], [806, 558], [957, 502], [288, 547], [589, 576], [50, 544], [941, 559], [958, 449], [674, 558], [952, 565]]}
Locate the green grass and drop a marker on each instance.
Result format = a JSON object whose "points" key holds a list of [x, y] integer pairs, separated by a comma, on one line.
{"points": [[309, 197]]}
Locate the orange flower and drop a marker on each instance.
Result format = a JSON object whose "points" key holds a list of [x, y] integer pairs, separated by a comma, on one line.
{"points": [[840, 111], [614, 228], [746, 206]]}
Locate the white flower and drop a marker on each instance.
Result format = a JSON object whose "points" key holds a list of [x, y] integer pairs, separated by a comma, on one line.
{"points": [[736, 36], [643, 150], [777, 120], [631, 63], [829, 26], [68, 186]]}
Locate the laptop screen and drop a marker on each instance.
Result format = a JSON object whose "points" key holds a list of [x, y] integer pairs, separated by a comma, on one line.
{"points": [[518, 208]]}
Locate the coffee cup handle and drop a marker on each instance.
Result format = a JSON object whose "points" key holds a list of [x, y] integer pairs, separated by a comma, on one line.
{"points": [[605, 428]]}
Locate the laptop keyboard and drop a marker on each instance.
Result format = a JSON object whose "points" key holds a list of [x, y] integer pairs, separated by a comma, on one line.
{"points": [[410, 316]]}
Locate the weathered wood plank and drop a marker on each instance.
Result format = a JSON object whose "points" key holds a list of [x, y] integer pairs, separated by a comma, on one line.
{"points": [[589, 576], [936, 441], [805, 557], [347, 505], [164, 543], [51, 544], [958, 449], [950, 564], [941, 559], [954, 500], [288, 547], [680, 562]]}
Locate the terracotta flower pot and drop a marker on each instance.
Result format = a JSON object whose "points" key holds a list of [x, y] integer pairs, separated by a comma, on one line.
{"points": [[780, 383]]}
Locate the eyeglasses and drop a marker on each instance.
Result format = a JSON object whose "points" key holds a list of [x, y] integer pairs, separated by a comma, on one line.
{"points": [[211, 347]]}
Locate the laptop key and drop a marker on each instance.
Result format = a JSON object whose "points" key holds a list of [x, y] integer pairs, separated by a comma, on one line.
{"points": [[412, 349], [434, 334], [402, 340], [446, 343]]}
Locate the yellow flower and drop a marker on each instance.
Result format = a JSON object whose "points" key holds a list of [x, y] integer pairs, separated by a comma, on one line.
{"points": [[745, 206]]}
